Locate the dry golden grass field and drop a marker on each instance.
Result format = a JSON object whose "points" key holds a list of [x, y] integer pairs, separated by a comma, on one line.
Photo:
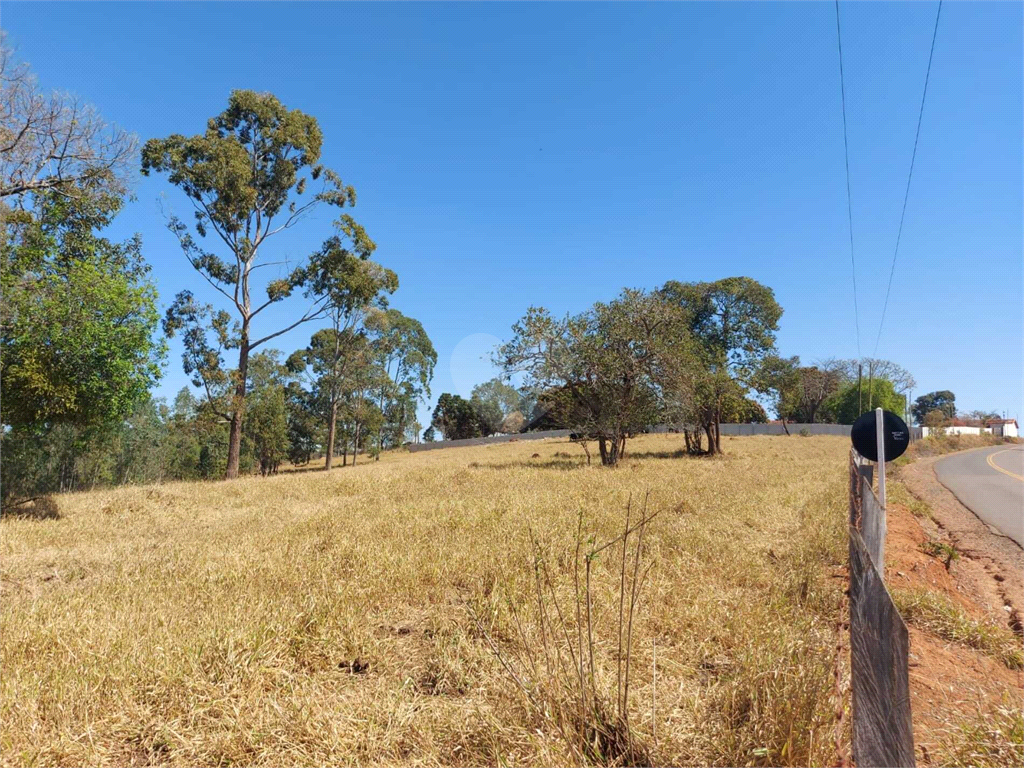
{"points": [[430, 609]]}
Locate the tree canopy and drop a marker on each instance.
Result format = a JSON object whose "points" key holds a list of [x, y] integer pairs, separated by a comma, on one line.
{"points": [[779, 378], [732, 325], [494, 402], [597, 371], [78, 321], [848, 403], [454, 418], [943, 401]]}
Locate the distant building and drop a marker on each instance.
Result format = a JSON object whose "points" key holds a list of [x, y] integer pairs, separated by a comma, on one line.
{"points": [[999, 427], [1003, 427]]}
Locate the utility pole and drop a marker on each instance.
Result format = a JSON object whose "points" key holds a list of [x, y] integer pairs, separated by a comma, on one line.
{"points": [[910, 415], [871, 391], [860, 395]]}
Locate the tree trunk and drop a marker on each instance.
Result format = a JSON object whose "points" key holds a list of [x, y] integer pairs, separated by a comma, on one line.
{"points": [[238, 409], [610, 450], [613, 453], [355, 445], [332, 423], [718, 436], [711, 437], [785, 428], [586, 450]]}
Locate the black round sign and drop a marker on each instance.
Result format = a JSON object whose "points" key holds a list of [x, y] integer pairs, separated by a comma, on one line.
{"points": [[865, 439]]}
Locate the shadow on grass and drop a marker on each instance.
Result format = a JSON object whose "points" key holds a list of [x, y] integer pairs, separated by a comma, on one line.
{"points": [[576, 463], [40, 508], [677, 454], [680, 454], [563, 464], [305, 470]]}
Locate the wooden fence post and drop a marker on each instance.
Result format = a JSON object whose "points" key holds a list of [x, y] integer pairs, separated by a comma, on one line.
{"points": [[879, 645]]}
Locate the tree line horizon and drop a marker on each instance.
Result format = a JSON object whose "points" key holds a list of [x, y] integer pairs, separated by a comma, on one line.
{"points": [[83, 342]]}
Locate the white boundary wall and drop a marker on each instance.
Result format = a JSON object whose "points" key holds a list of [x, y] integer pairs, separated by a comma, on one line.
{"points": [[727, 430], [960, 431]]}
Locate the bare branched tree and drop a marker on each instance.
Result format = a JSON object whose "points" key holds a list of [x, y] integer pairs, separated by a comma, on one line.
{"points": [[875, 368], [54, 141]]}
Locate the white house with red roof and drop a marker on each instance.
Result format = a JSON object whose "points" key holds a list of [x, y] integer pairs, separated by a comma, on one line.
{"points": [[999, 427]]}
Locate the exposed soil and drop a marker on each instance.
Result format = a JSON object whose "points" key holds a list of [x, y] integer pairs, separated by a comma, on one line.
{"points": [[948, 680], [991, 568]]}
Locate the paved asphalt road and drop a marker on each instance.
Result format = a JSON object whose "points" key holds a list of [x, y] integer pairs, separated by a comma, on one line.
{"points": [[990, 482]]}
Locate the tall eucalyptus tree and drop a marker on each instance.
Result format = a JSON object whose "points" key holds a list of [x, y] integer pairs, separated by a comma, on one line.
{"points": [[248, 177]]}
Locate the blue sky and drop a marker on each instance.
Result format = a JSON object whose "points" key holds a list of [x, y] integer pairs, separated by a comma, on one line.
{"points": [[508, 155]]}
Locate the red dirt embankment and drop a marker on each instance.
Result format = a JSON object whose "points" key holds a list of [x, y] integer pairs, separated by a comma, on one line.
{"points": [[950, 681]]}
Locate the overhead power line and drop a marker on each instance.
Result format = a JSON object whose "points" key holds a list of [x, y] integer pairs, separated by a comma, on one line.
{"points": [[849, 196], [910, 175]]}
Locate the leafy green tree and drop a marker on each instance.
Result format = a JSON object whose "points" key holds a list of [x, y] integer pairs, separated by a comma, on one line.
{"points": [[40, 462], [406, 357], [77, 353], [429, 435], [848, 404], [208, 467], [494, 401], [325, 363], [597, 370], [77, 347], [66, 457], [357, 290], [365, 420], [733, 322], [488, 415], [246, 177], [738, 408], [199, 438], [943, 401], [78, 318], [143, 446], [184, 438], [455, 418], [266, 428], [779, 379], [304, 424], [871, 368]]}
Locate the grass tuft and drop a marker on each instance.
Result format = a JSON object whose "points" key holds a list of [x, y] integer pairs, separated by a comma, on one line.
{"points": [[899, 494], [991, 739], [936, 613], [940, 550]]}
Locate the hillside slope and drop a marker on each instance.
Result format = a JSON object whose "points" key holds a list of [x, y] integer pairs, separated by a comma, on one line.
{"points": [[325, 617]]}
